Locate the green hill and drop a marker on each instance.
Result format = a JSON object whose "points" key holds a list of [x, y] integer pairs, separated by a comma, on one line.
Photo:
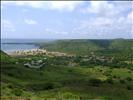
{"points": [[85, 47], [4, 56], [122, 44], [79, 47], [59, 79]]}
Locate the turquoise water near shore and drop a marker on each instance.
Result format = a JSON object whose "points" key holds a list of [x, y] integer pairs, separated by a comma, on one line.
{"points": [[10, 45], [15, 47]]}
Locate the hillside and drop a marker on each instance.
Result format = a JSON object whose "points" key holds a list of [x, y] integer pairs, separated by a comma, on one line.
{"points": [[83, 47], [121, 44], [59, 79], [79, 47]]}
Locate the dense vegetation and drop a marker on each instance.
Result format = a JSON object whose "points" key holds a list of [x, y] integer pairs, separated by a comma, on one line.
{"points": [[99, 69], [84, 47], [121, 50]]}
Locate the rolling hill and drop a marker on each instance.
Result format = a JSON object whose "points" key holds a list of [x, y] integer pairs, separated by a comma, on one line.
{"points": [[59, 80]]}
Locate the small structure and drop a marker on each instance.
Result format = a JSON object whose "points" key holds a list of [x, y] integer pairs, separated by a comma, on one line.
{"points": [[35, 64], [27, 65]]}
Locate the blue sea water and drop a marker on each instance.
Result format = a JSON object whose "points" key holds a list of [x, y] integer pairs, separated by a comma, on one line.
{"points": [[10, 45], [15, 47]]}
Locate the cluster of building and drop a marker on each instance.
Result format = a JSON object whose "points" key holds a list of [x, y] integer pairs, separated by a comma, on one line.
{"points": [[29, 52], [99, 58], [37, 52]]}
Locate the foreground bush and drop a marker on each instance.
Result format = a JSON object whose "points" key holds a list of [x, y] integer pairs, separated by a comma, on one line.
{"points": [[44, 86], [129, 87], [17, 92], [109, 80], [95, 82]]}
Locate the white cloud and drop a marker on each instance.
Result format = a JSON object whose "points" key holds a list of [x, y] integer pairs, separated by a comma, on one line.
{"points": [[130, 21], [104, 27], [64, 5], [105, 18], [98, 6], [101, 8], [7, 25], [51, 31], [130, 16], [30, 21], [108, 8], [34, 4], [109, 21], [53, 5]]}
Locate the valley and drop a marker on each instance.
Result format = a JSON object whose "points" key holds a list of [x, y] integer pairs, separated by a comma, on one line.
{"points": [[70, 70]]}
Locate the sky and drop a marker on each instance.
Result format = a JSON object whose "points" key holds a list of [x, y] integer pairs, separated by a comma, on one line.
{"points": [[67, 19]]}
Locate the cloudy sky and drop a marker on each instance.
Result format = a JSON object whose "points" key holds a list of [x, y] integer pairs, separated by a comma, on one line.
{"points": [[67, 19]]}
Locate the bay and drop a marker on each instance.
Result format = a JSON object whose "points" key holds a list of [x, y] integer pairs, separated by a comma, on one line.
{"points": [[10, 45]]}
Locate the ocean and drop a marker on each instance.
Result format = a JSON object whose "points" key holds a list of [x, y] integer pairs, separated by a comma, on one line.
{"points": [[10, 45]]}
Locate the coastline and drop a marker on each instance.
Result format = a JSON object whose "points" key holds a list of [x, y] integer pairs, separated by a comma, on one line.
{"points": [[12, 47], [34, 52]]}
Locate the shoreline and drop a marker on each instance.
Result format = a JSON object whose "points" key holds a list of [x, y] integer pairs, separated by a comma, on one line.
{"points": [[36, 52], [10, 48]]}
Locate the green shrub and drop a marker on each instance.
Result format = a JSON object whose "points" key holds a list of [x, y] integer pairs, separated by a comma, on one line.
{"points": [[122, 81], [95, 82], [129, 87], [100, 70], [10, 74], [129, 79], [10, 86], [17, 92], [44, 86], [129, 71], [68, 95], [109, 80], [114, 76], [107, 73], [48, 86]]}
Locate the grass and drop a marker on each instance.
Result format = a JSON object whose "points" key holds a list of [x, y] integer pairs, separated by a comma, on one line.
{"points": [[67, 82]]}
